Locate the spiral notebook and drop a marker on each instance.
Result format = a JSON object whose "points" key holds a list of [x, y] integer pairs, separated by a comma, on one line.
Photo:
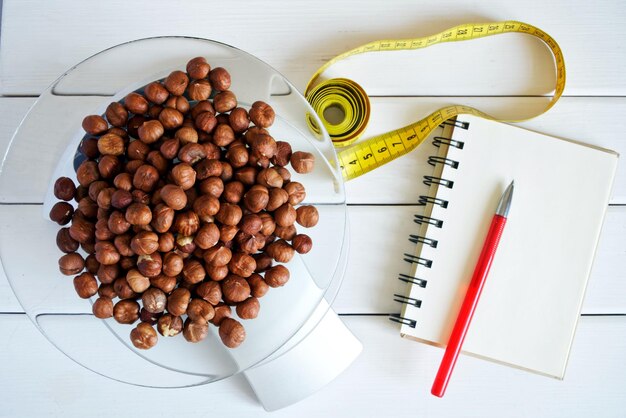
{"points": [[531, 301]]}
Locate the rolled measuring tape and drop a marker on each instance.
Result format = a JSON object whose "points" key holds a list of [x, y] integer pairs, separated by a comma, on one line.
{"points": [[359, 158]]}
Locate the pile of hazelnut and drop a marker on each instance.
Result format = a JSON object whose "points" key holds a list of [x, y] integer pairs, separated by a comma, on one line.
{"points": [[182, 209]]}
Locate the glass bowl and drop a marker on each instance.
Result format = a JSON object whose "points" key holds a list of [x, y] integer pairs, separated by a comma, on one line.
{"points": [[48, 139]]}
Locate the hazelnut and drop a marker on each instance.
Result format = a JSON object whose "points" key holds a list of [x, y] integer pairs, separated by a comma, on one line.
{"points": [[268, 224], [232, 332], [199, 90], [171, 118], [206, 122], [206, 207], [258, 287], [111, 144], [223, 135], [154, 111], [95, 125], [269, 177], [208, 236], [302, 162], [201, 107], [246, 175], [210, 291], [102, 307], [264, 146], [162, 218], [150, 131], [126, 311], [200, 310], [217, 273], [106, 253], [242, 264], [178, 301], [233, 192], [145, 242], [89, 147], [256, 199], [61, 213], [239, 120], [176, 83], [107, 273], [172, 264], [229, 214], [193, 272], [154, 300], [136, 103], [96, 187], [219, 78], [213, 186], [185, 245], [86, 285], [122, 244], [296, 192], [195, 331], [262, 114], [166, 242], [174, 196], [186, 135], [87, 173], [179, 103], [123, 289], [253, 132], [65, 242], [280, 251], [184, 175], [251, 224], [170, 147], [186, 223], [224, 101], [137, 281], [150, 265], [191, 153], [237, 155], [106, 290], [146, 178], [82, 230], [138, 214], [64, 188], [104, 198], [235, 289], [307, 216], [121, 199], [149, 317], [278, 197], [208, 168], [156, 93], [103, 233], [198, 68], [263, 262], [71, 264], [118, 224], [285, 232], [217, 256], [283, 154], [163, 282], [143, 336], [88, 208], [137, 150], [169, 325], [302, 243], [285, 215], [116, 114], [248, 309], [277, 276]]}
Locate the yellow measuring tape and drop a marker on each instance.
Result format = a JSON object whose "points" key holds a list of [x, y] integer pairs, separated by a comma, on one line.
{"points": [[347, 95]]}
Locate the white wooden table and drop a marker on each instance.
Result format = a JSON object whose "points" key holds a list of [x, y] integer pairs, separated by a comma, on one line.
{"points": [[40, 39]]}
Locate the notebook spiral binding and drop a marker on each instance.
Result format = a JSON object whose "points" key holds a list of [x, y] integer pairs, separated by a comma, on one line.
{"points": [[421, 219]]}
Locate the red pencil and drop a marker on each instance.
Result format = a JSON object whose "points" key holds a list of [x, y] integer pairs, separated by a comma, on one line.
{"points": [[473, 293]]}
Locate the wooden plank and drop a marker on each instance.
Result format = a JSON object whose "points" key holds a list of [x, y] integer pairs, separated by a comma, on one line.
{"points": [[588, 119], [378, 238], [299, 40], [392, 377]]}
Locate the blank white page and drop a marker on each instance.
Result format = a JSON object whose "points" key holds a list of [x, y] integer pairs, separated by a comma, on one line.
{"points": [[531, 302]]}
